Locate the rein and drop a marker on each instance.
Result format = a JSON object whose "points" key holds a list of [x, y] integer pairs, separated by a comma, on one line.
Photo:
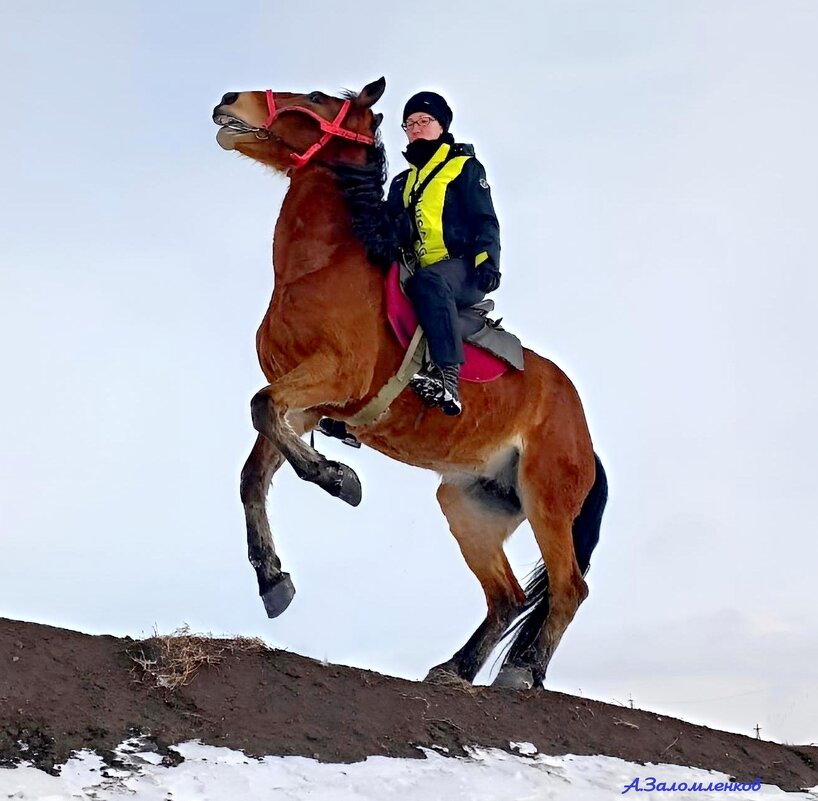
{"points": [[330, 129]]}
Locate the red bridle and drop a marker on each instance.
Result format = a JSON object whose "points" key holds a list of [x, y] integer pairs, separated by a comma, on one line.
{"points": [[330, 129]]}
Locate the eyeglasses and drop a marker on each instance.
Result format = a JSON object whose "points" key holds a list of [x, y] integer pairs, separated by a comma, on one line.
{"points": [[423, 122]]}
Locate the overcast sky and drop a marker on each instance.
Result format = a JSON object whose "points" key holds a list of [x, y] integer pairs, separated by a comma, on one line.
{"points": [[655, 172]]}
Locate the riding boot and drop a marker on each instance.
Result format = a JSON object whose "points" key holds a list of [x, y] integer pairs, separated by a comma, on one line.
{"points": [[450, 402], [427, 384], [338, 430]]}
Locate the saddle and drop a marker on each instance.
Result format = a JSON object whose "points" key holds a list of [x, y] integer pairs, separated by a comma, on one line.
{"points": [[490, 350]]}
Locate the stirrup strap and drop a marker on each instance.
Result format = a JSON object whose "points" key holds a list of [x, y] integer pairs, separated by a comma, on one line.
{"points": [[394, 386]]}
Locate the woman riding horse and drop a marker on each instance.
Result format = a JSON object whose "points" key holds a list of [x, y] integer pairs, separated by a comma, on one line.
{"points": [[444, 224], [520, 450], [452, 230]]}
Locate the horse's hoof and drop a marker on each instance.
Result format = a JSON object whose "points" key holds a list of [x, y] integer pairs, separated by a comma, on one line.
{"points": [[346, 485], [513, 677], [446, 677], [277, 597]]}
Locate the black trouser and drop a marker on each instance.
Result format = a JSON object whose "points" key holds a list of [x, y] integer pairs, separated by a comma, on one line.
{"points": [[437, 292]]}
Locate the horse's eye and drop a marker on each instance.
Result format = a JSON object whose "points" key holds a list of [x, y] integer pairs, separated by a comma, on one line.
{"points": [[315, 97]]}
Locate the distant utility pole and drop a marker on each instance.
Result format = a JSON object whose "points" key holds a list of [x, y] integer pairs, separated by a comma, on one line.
{"points": [[758, 732], [630, 699]]}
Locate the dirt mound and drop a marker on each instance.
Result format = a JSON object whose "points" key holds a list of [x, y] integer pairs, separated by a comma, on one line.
{"points": [[61, 691]]}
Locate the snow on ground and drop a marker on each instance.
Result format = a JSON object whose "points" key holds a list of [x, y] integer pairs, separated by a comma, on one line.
{"points": [[219, 774]]}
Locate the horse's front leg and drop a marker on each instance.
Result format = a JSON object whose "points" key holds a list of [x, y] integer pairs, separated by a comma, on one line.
{"points": [[274, 585], [316, 381]]}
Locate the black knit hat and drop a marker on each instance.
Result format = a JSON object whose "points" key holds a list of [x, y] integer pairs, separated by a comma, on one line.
{"points": [[433, 104]]}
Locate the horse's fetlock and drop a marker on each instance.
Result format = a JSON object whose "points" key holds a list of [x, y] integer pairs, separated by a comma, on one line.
{"points": [[307, 470]]}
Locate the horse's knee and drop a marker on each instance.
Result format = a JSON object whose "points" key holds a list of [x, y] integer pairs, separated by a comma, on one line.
{"points": [[261, 408]]}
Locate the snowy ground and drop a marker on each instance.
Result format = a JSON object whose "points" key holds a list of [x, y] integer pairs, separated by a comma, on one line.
{"points": [[219, 774]]}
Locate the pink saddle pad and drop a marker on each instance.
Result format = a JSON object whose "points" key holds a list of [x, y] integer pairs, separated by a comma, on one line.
{"points": [[480, 366]]}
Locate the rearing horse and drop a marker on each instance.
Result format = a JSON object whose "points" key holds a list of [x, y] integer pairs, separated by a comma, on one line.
{"points": [[520, 450]]}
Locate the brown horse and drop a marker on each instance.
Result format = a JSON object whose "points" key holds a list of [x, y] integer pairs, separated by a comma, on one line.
{"points": [[520, 450]]}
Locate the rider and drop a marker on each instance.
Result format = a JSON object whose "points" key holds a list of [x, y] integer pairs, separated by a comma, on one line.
{"points": [[444, 218], [446, 222]]}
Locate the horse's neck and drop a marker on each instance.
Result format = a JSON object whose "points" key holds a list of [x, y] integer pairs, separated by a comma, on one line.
{"points": [[313, 224]]}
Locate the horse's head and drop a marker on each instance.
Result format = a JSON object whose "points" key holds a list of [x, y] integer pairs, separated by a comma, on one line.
{"points": [[286, 130]]}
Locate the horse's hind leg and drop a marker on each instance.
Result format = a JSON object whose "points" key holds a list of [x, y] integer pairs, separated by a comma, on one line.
{"points": [[552, 495], [480, 529]]}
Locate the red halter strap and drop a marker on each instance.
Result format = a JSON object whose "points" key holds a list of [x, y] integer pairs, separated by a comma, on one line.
{"points": [[330, 129]]}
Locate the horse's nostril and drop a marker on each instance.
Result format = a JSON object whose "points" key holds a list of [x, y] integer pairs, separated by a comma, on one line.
{"points": [[230, 98]]}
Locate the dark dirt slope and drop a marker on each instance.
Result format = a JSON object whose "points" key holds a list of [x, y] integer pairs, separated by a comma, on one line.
{"points": [[61, 691]]}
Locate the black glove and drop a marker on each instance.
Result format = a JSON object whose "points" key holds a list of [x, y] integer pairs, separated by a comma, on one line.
{"points": [[488, 277]]}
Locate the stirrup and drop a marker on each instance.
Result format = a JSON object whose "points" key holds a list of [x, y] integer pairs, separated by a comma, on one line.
{"points": [[337, 429]]}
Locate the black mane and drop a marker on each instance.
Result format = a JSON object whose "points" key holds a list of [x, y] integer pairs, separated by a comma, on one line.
{"points": [[363, 191]]}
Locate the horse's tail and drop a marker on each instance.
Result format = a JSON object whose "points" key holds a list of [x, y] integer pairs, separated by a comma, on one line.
{"points": [[586, 536], [588, 522]]}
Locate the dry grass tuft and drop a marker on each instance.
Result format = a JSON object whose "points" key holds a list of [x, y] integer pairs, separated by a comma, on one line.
{"points": [[170, 661]]}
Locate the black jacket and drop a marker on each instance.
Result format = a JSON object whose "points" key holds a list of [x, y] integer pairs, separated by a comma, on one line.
{"points": [[454, 216]]}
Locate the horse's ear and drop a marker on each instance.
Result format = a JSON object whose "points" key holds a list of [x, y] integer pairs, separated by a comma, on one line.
{"points": [[371, 93]]}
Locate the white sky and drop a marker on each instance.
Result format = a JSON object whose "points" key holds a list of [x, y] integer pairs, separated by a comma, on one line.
{"points": [[655, 173]]}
